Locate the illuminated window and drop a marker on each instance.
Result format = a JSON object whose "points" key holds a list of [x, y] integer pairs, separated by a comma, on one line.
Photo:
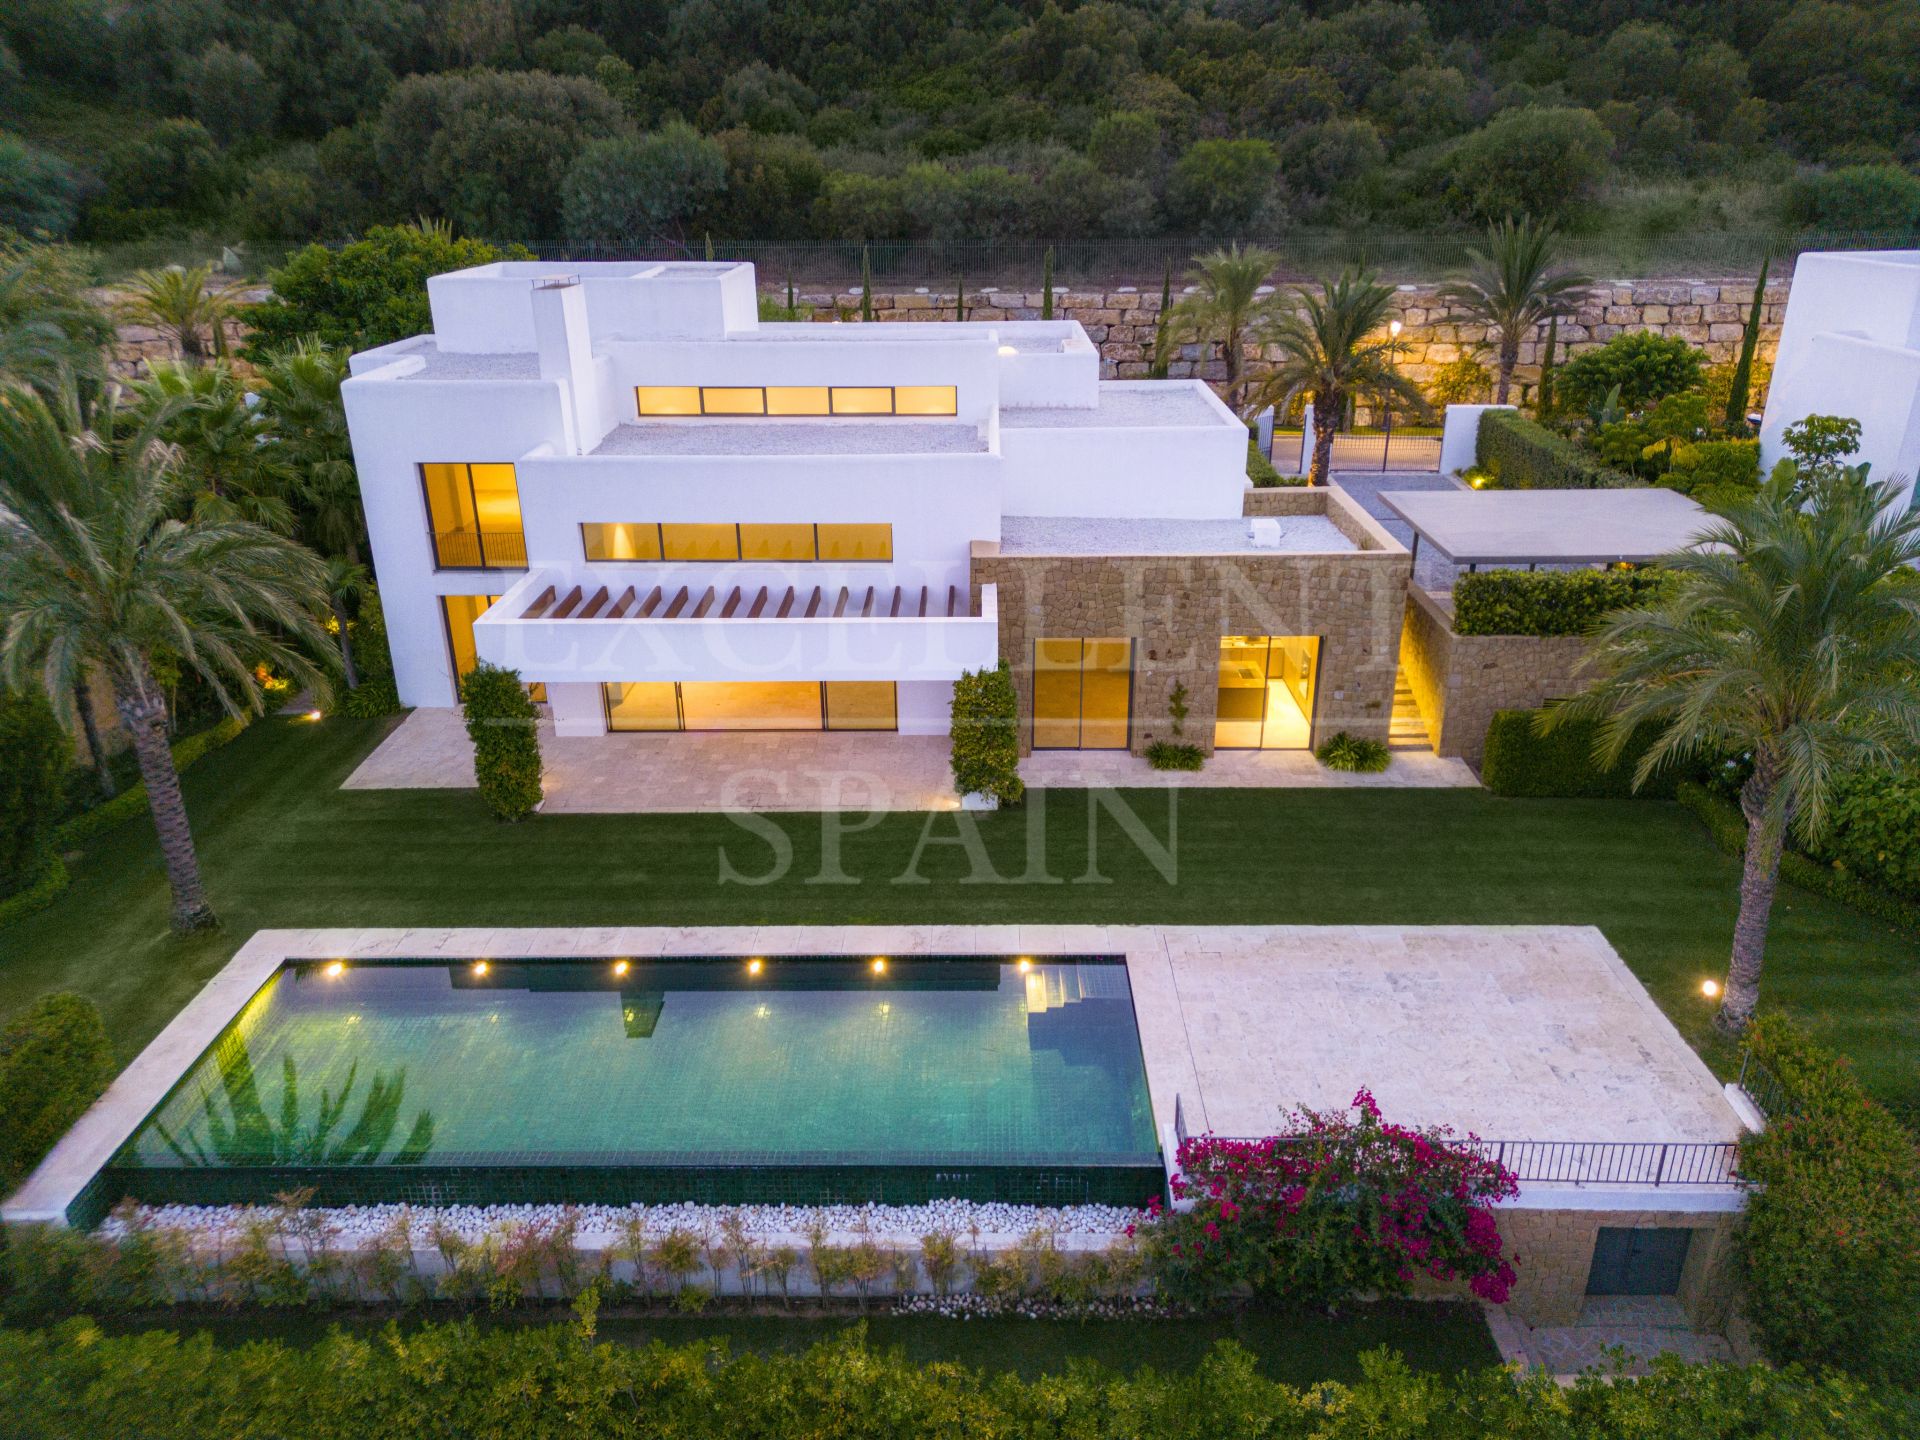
{"points": [[1082, 694], [925, 400], [699, 542], [861, 705], [474, 515], [459, 612], [618, 540], [645, 705], [798, 400], [1266, 692], [856, 542], [733, 400], [862, 400], [776, 542], [669, 399], [751, 705]]}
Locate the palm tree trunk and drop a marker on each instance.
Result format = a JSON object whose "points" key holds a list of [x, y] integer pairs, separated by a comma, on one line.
{"points": [[346, 644], [1509, 357], [1759, 878], [96, 753], [144, 712], [1317, 473]]}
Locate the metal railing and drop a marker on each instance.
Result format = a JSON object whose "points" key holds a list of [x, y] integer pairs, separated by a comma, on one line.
{"points": [[1768, 1092], [1652, 1163], [480, 549]]}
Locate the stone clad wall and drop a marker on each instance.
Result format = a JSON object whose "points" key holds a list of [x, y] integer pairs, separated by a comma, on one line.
{"points": [[1709, 313], [1458, 681], [1553, 1251], [1175, 608]]}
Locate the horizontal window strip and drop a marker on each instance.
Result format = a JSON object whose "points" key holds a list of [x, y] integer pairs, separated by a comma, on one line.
{"points": [[631, 542], [738, 401]]}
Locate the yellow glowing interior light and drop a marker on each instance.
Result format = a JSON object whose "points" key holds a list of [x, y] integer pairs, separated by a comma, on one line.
{"points": [[879, 964], [479, 967], [1709, 988], [335, 969], [620, 967], [1025, 964], [755, 966], [313, 714], [629, 1015]]}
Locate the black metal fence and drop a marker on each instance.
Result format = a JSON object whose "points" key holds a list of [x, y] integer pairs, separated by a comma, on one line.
{"points": [[1376, 451], [1303, 254]]}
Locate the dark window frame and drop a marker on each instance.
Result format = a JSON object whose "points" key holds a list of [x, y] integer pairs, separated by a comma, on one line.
{"points": [[473, 499]]}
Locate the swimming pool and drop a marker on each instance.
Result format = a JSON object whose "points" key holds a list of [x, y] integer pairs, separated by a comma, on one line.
{"points": [[726, 1079]]}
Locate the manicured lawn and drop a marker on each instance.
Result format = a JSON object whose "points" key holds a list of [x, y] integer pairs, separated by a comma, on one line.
{"points": [[1299, 1349], [283, 846]]}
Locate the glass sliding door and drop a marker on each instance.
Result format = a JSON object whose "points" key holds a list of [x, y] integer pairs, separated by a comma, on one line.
{"points": [[1082, 693], [643, 705], [474, 517], [1266, 692], [751, 705], [861, 705]]}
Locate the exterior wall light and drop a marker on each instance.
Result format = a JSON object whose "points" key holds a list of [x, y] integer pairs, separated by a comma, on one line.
{"points": [[335, 969], [620, 967], [479, 967], [1025, 964], [754, 967], [879, 964]]}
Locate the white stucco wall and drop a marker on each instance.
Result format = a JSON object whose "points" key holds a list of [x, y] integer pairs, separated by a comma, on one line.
{"points": [[1460, 436]]}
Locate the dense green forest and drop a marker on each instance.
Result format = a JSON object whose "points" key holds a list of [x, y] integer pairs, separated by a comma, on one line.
{"points": [[658, 122]]}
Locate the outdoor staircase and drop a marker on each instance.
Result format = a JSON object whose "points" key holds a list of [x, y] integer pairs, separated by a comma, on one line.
{"points": [[1051, 986], [1406, 731]]}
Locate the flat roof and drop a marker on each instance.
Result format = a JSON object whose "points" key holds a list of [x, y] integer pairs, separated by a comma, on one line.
{"points": [[1575, 527], [1124, 404], [752, 436], [1101, 535]]}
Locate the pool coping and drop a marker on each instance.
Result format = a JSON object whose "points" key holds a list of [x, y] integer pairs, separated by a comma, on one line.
{"points": [[78, 1160]]}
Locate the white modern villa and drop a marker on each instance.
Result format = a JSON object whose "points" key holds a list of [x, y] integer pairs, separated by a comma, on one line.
{"points": [[617, 480]]}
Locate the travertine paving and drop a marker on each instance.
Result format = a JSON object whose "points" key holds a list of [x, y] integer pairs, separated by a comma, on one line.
{"points": [[627, 774]]}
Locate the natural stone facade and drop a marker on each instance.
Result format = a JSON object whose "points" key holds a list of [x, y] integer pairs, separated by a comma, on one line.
{"points": [[1553, 1253], [1708, 313], [1458, 681], [1176, 608]]}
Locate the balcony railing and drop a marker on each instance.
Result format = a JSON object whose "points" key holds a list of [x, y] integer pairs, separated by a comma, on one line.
{"points": [[1585, 1162], [480, 550]]}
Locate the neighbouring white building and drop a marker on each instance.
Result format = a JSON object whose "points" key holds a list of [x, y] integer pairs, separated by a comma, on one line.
{"points": [[1850, 346], [617, 480]]}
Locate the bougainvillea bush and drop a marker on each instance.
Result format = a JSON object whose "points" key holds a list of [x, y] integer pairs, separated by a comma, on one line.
{"points": [[1337, 1204]]}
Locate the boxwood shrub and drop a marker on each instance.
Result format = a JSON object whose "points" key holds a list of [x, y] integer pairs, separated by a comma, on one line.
{"points": [[501, 722], [1522, 454], [1826, 1245], [986, 735], [55, 1060], [1520, 761], [1548, 602]]}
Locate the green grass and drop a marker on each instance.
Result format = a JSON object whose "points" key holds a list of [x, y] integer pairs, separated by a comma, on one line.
{"points": [[283, 846], [1299, 1349]]}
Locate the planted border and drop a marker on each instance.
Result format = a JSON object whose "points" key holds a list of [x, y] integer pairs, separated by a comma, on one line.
{"points": [[1522, 454]]}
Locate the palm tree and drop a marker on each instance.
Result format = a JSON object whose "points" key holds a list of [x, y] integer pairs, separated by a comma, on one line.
{"points": [[1514, 288], [346, 582], [1226, 305], [97, 571], [185, 305], [1792, 633], [1332, 349], [306, 429], [223, 469], [48, 328]]}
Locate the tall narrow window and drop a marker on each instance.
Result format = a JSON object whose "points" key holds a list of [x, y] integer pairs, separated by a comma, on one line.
{"points": [[474, 515], [458, 612]]}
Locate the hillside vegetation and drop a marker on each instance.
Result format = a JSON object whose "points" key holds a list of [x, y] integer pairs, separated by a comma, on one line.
{"points": [[660, 122]]}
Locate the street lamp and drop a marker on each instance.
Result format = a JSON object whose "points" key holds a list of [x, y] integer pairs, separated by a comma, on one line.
{"points": [[1393, 359]]}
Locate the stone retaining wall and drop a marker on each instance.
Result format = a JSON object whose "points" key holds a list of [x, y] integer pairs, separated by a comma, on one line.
{"points": [[1553, 1251], [1458, 681], [1176, 608], [1708, 313]]}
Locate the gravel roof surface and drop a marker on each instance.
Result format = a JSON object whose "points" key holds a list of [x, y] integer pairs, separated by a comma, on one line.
{"points": [[763, 437], [1046, 535], [1174, 404], [441, 366]]}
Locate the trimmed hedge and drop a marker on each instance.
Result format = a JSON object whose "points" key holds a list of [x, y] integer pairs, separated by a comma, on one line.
{"points": [[554, 1382], [1548, 602], [34, 752], [1728, 827], [1522, 454], [1826, 1246], [1520, 761], [55, 1060], [986, 735], [1874, 830], [501, 722], [133, 800]]}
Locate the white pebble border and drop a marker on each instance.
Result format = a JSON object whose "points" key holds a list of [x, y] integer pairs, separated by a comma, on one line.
{"points": [[960, 1218]]}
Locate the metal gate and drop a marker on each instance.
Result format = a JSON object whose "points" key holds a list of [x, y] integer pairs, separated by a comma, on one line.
{"points": [[1366, 451], [1638, 1262]]}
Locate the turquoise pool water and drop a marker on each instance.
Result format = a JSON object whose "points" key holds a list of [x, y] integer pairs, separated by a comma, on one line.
{"points": [[731, 1078]]}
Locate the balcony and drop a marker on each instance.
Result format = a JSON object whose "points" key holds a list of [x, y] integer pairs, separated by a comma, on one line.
{"points": [[551, 629], [465, 549]]}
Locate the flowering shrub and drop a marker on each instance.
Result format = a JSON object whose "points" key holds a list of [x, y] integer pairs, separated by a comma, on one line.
{"points": [[1333, 1206]]}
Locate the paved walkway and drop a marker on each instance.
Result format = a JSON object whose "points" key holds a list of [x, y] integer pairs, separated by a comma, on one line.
{"points": [[1432, 568], [1611, 1330], [630, 774]]}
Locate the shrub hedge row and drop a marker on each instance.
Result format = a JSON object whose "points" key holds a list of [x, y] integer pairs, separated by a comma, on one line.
{"points": [[1874, 829], [1522, 454], [1548, 602], [55, 1060], [986, 735], [1520, 761], [554, 1381], [1826, 1245], [1728, 828]]}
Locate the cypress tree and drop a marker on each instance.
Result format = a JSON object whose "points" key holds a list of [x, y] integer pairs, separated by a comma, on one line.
{"points": [[1158, 368], [1046, 285], [1749, 342], [1545, 407], [866, 284], [960, 298]]}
